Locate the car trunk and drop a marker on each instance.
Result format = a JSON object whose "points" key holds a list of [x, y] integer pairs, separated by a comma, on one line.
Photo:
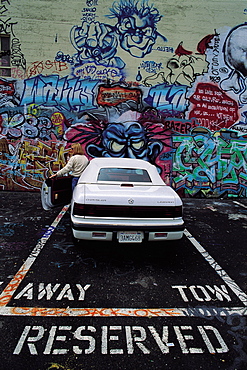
{"points": [[125, 194], [126, 200]]}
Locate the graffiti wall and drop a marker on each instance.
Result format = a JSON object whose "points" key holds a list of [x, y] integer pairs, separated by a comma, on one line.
{"points": [[162, 81]]}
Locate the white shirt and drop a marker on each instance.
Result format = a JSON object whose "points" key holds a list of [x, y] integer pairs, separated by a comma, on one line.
{"points": [[75, 165]]}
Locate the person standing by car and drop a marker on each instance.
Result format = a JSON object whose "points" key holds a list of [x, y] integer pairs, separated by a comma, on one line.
{"points": [[76, 164]]}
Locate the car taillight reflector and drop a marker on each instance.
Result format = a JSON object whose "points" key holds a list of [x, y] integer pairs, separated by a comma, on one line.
{"points": [[160, 235], [96, 234], [127, 211]]}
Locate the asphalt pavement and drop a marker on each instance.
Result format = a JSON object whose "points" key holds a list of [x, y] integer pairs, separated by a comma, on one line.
{"points": [[110, 306]]}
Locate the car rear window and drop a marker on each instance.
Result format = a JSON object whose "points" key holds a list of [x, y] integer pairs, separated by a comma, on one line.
{"points": [[123, 175]]}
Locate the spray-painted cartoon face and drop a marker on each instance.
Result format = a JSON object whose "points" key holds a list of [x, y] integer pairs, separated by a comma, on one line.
{"points": [[136, 26], [185, 68], [136, 35], [235, 50], [127, 140]]}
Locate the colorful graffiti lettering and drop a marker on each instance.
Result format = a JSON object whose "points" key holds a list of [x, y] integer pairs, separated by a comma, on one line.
{"points": [[24, 164], [71, 94], [211, 163], [168, 98], [31, 126]]}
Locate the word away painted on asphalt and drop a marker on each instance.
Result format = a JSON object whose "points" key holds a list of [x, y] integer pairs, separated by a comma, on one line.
{"points": [[47, 291], [115, 340]]}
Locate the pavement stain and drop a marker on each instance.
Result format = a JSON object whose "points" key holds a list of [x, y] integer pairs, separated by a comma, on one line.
{"points": [[63, 246], [145, 282], [124, 269], [59, 367]]}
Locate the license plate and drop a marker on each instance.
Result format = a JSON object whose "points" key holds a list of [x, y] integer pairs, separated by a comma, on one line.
{"points": [[130, 236]]}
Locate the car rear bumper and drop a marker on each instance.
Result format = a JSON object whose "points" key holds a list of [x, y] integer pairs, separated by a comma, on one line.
{"points": [[151, 232]]}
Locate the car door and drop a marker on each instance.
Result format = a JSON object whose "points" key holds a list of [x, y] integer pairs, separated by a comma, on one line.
{"points": [[56, 191]]}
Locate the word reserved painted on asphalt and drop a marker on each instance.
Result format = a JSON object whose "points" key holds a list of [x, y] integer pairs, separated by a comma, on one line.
{"points": [[119, 339]]}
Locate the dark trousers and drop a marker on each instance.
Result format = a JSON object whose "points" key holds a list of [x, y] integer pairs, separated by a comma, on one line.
{"points": [[74, 182]]}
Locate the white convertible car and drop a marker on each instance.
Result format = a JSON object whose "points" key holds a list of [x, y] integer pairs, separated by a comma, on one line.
{"points": [[118, 199]]}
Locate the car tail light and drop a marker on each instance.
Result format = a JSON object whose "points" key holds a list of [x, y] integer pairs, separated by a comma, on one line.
{"points": [[126, 211], [78, 209], [178, 211]]}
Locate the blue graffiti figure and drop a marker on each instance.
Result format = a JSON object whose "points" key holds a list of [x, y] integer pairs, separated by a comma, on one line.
{"points": [[96, 42], [126, 139], [136, 26], [135, 32]]}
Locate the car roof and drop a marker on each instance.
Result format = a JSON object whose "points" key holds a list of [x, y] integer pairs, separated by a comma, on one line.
{"points": [[120, 162], [91, 172]]}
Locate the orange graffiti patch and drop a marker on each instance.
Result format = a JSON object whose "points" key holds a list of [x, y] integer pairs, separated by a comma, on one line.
{"points": [[112, 96], [89, 312]]}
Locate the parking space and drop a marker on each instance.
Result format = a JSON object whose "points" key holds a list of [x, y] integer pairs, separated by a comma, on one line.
{"points": [[106, 305]]}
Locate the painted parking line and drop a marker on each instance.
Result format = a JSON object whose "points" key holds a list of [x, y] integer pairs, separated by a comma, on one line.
{"points": [[9, 291], [239, 204], [223, 275], [203, 311], [199, 311]]}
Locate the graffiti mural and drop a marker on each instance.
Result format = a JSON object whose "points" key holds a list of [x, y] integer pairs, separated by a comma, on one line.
{"points": [[7, 27], [124, 82], [210, 163]]}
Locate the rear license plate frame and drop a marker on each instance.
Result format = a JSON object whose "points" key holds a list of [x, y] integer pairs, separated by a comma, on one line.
{"points": [[130, 236]]}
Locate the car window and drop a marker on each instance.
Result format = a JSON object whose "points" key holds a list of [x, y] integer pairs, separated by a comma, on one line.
{"points": [[123, 175]]}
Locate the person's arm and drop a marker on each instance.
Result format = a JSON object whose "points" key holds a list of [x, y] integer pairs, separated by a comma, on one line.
{"points": [[65, 169]]}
